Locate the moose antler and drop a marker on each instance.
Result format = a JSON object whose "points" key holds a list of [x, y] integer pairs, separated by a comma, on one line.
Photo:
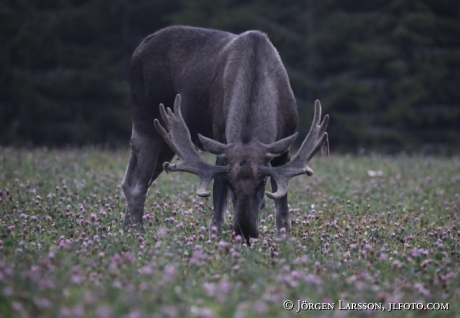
{"points": [[179, 140], [316, 139]]}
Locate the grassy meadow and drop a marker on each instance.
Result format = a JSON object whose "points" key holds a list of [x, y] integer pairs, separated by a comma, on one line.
{"points": [[369, 234]]}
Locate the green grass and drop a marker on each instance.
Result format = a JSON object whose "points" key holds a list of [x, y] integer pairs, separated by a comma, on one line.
{"points": [[373, 229]]}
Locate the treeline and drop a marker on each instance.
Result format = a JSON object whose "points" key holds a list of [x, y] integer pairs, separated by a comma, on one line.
{"points": [[388, 72]]}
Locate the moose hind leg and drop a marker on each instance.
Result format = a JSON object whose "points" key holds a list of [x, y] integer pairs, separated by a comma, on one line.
{"points": [[139, 175]]}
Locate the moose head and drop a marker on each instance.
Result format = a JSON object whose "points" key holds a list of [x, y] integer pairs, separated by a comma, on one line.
{"points": [[246, 166]]}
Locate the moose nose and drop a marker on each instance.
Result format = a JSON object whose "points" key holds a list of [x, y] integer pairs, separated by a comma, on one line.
{"points": [[246, 232]]}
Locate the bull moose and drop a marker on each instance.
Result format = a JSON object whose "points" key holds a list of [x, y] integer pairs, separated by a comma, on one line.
{"points": [[232, 98]]}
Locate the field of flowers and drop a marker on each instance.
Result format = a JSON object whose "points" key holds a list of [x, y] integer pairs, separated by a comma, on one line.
{"points": [[371, 236]]}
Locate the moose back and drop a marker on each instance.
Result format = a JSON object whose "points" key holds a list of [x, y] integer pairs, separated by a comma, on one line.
{"points": [[232, 98]]}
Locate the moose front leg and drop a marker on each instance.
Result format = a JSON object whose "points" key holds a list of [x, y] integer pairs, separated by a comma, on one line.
{"points": [[283, 220], [220, 200]]}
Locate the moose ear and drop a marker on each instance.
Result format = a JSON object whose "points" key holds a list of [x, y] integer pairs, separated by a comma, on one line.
{"points": [[212, 146], [279, 147]]}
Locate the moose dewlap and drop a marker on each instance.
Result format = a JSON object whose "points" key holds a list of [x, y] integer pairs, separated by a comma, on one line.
{"points": [[232, 98]]}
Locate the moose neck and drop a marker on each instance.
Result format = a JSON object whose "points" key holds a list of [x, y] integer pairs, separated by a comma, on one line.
{"points": [[250, 89]]}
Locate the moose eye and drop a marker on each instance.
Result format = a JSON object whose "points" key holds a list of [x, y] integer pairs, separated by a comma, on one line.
{"points": [[229, 184], [260, 185]]}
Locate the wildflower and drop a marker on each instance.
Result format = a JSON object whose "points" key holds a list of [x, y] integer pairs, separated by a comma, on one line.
{"points": [[238, 239], [422, 290], [76, 279], [202, 312], [170, 273], [17, 306], [128, 257], [147, 270], [235, 254], [397, 264], [104, 312], [374, 174], [313, 279], [102, 213]]}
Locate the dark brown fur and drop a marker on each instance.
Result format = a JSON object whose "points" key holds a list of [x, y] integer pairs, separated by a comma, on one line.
{"points": [[235, 91]]}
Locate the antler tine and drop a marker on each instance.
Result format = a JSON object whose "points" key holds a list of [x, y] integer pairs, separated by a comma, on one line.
{"points": [[177, 103], [316, 114], [325, 147], [166, 136], [178, 139], [317, 139]]}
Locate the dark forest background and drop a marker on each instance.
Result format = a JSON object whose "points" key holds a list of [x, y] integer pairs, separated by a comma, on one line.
{"points": [[388, 72]]}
